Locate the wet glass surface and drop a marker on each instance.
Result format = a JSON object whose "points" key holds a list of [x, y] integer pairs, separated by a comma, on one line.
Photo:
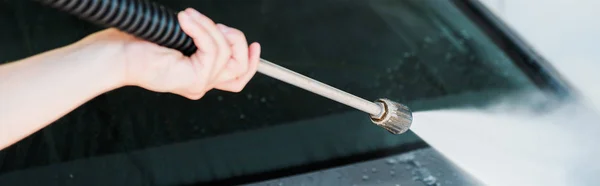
{"points": [[423, 167], [408, 51]]}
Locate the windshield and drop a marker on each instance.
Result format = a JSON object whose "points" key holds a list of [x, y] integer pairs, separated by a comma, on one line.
{"points": [[423, 53]]}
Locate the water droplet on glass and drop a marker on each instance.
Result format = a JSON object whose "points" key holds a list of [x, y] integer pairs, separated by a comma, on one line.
{"points": [[249, 96], [280, 184], [220, 98], [392, 173], [430, 180], [388, 92], [365, 177], [448, 56], [339, 174], [398, 185], [415, 178], [406, 158], [71, 176], [407, 167], [391, 161], [416, 163], [406, 54], [471, 58], [263, 99], [388, 70], [373, 169], [464, 33], [242, 116], [428, 39]]}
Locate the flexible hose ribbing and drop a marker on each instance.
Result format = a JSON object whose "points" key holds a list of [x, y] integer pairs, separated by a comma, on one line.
{"points": [[141, 18]]}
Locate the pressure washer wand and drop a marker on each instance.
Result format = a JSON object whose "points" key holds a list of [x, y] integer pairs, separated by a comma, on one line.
{"points": [[158, 24], [314, 86]]}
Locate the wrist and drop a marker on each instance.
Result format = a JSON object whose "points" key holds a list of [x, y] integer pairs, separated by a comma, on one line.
{"points": [[104, 61]]}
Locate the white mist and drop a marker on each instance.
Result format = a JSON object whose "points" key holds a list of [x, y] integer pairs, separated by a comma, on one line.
{"points": [[512, 146]]}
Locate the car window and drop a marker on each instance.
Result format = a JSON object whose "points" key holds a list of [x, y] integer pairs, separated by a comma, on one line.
{"points": [[423, 53]]}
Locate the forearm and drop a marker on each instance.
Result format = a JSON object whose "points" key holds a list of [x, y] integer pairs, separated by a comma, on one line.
{"points": [[36, 91]]}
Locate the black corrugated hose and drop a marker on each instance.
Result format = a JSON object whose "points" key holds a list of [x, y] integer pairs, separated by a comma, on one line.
{"points": [[141, 18]]}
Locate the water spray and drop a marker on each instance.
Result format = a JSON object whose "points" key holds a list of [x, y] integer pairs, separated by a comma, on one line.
{"points": [[158, 24]]}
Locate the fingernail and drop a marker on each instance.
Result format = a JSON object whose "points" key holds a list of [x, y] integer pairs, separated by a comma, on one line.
{"points": [[223, 28], [183, 15], [189, 10], [193, 12]]}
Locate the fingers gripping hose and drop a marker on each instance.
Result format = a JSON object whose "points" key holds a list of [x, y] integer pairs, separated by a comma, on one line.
{"points": [[141, 18]]}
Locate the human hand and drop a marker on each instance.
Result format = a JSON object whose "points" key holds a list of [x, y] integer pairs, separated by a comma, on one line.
{"points": [[223, 60]]}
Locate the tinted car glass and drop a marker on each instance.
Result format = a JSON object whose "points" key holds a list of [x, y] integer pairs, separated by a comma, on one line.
{"points": [[424, 53]]}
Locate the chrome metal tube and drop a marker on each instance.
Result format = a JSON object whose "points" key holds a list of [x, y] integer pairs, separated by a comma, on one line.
{"points": [[314, 86]]}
